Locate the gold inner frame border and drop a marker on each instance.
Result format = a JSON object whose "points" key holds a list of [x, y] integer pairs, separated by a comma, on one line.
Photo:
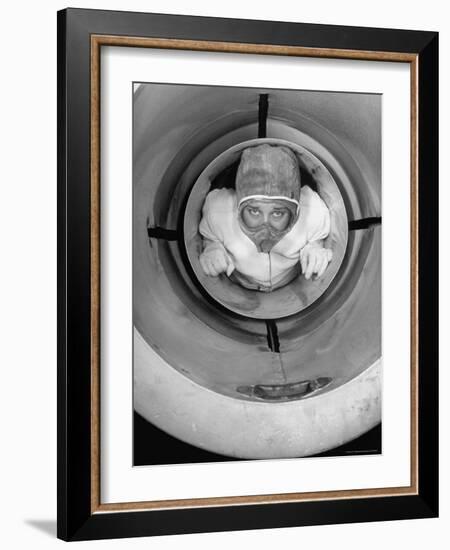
{"points": [[97, 41]]}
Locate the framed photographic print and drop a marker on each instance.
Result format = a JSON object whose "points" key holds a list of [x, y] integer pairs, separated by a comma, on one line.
{"points": [[247, 255]]}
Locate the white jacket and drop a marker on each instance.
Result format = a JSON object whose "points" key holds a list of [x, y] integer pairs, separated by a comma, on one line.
{"points": [[220, 227]]}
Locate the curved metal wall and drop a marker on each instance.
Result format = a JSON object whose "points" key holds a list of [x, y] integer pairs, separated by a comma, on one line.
{"points": [[205, 352]]}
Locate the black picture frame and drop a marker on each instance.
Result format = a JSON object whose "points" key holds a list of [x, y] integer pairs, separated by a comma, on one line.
{"points": [[78, 515]]}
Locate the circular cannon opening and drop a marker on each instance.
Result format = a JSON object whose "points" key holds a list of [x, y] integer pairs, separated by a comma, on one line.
{"points": [[299, 293], [297, 370]]}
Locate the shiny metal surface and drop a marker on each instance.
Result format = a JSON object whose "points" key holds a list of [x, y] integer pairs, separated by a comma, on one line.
{"points": [[192, 352]]}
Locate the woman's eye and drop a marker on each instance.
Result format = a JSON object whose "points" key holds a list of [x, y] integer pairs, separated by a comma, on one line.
{"points": [[278, 214], [253, 211]]}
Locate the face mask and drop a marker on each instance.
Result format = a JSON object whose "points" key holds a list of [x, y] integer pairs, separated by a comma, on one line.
{"points": [[265, 236]]}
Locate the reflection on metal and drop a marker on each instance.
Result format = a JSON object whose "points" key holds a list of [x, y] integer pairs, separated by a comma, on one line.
{"points": [[279, 392]]}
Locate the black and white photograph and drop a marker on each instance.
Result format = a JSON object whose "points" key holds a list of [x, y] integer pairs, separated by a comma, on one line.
{"points": [[256, 273], [224, 267]]}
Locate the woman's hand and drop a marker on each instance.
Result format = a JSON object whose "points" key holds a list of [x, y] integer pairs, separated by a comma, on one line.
{"points": [[216, 261], [314, 259]]}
